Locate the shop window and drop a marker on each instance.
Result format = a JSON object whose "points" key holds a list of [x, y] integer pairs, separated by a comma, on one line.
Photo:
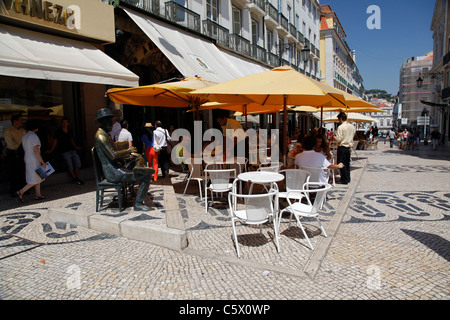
{"points": [[43, 100]]}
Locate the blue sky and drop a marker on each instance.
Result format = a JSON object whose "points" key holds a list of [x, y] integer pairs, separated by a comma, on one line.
{"points": [[404, 33]]}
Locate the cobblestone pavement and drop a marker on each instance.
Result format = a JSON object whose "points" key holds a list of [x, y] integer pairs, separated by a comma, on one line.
{"points": [[388, 238]]}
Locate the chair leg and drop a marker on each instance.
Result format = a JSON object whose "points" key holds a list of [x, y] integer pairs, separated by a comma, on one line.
{"points": [[185, 188], [97, 199], [277, 232], [200, 188], [304, 232], [321, 227], [235, 239], [119, 192]]}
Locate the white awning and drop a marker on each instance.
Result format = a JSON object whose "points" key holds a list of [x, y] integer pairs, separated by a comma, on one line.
{"points": [[193, 55], [29, 54]]}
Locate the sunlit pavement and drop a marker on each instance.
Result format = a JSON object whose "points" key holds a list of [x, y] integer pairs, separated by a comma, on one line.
{"points": [[388, 238]]}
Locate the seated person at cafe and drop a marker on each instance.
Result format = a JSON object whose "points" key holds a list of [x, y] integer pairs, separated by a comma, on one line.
{"points": [[313, 159]]}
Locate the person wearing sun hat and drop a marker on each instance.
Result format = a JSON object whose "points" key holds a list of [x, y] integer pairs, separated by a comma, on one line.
{"points": [[112, 160]]}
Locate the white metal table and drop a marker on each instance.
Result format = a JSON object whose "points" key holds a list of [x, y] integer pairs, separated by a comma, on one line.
{"points": [[260, 177]]}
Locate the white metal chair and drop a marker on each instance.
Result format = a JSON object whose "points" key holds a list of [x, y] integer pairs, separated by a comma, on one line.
{"points": [[309, 209], [219, 181], [254, 209], [295, 179], [195, 173], [319, 175], [270, 166]]}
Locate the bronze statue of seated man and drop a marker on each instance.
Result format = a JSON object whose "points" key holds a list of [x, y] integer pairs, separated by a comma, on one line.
{"points": [[121, 164]]}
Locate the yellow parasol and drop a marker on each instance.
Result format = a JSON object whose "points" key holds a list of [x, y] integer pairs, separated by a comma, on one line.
{"points": [[279, 86]]}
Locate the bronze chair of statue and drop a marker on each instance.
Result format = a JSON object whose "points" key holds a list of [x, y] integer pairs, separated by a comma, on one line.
{"points": [[105, 188]]}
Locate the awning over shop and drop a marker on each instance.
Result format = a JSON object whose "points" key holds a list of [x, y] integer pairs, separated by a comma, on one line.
{"points": [[29, 54], [193, 55]]}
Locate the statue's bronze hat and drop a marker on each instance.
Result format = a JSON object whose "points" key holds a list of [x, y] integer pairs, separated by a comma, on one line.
{"points": [[103, 113]]}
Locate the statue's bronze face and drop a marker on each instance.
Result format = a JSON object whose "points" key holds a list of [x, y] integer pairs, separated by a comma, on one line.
{"points": [[106, 124]]}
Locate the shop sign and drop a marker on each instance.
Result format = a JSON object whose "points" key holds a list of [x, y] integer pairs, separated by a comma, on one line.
{"points": [[91, 19]]}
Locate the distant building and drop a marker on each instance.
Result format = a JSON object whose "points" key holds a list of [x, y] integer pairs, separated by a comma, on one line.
{"points": [[337, 60], [384, 120], [410, 95], [439, 75]]}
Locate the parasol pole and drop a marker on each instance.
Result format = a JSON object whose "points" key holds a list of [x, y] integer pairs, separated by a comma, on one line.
{"points": [[321, 116], [245, 112], [284, 128]]}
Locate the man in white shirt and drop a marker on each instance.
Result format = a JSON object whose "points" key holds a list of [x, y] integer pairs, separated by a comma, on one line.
{"points": [[313, 159], [162, 136], [344, 137], [125, 135]]}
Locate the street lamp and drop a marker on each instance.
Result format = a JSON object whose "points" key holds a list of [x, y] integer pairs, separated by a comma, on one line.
{"points": [[305, 54], [432, 75]]}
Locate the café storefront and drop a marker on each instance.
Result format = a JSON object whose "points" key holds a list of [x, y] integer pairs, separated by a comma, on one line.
{"points": [[52, 65]]}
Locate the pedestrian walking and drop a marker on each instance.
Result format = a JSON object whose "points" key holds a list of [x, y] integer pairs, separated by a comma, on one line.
{"points": [[33, 160], [68, 149], [435, 135], [115, 131], [162, 137], [392, 136], [125, 135], [344, 137], [148, 140], [14, 154]]}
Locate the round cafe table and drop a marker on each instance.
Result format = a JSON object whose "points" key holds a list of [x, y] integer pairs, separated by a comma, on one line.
{"points": [[260, 177]]}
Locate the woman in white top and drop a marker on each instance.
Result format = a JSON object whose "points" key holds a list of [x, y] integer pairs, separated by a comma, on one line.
{"points": [[33, 160]]}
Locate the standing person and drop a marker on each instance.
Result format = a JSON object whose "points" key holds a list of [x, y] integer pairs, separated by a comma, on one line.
{"points": [[148, 139], [417, 137], [14, 154], [162, 137], [33, 160], [392, 135], [125, 135], [405, 138], [344, 137], [230, 124], [68, 149], [115, 131], [435, 135]]}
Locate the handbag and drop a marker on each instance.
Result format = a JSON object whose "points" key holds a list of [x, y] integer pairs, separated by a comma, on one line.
{"points": [[156, 145], [169, 145]]}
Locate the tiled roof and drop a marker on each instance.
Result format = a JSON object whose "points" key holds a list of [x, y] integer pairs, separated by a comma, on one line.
{"points": [[323, 23]]}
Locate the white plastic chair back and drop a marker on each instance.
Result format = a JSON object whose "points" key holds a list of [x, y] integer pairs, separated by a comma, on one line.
{"points": [[220, 179], [316, 173], [295, 178]]}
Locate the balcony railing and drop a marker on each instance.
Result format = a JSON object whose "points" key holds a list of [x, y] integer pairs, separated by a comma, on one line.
{"points": [[260, 4], [271, 11], [300, 37], [313, 49], [151, 6], [182, 16], [307, 43], [216, 31], [273, 59], [283, 21], [240, 44], [259, 53], [292, 30]]}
